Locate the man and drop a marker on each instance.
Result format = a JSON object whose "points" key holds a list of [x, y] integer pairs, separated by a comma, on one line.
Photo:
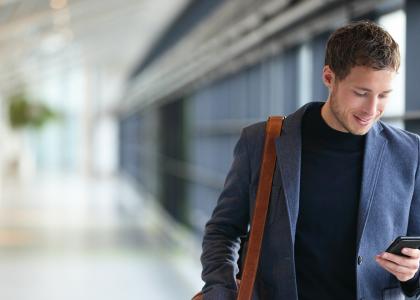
{"points": [[345, 186]]}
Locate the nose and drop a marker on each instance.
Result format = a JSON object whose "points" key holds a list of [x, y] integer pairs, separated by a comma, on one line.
{"points": [[370, 107]]}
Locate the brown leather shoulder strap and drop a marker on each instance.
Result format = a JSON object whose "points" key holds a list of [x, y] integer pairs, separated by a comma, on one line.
{"points": [[273, 129]]}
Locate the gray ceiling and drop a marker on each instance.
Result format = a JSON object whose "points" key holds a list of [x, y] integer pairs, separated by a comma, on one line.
{"points": [[109, 34]]}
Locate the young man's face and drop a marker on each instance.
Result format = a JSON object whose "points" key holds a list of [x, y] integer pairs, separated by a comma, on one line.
{"points": [[356, 102]]}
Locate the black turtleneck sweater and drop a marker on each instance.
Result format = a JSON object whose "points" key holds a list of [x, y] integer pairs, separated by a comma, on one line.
{"points": [[325, 246]]}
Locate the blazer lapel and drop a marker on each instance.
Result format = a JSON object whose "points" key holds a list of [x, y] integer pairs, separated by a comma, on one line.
{"points": [[373, 156], [288, 149]]}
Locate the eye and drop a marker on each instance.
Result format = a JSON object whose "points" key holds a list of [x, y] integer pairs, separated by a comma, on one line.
{"points": [[360, 94], [383, 96]]}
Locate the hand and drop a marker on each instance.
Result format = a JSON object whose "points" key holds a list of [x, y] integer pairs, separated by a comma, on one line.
{"points": [[404, 268]]}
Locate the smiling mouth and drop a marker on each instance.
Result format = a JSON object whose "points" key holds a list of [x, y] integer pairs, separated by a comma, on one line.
{"points": [[363, 121]]}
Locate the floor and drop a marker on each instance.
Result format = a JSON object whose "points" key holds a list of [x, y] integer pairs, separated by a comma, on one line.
{"points": [[66, 237]]}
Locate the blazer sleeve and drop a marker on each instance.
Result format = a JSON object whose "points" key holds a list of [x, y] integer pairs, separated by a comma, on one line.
{"points": [[412, 287], [229, 221]]}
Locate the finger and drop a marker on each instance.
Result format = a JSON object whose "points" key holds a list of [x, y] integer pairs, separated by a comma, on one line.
{"points": [[413, 253], [412, 263], [401, 276], [397, 274], [394, 267]]}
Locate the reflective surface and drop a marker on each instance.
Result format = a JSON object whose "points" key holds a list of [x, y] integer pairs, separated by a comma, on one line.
{"points": [[72, 238]]}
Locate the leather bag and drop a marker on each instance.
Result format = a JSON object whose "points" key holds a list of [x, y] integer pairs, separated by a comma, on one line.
{"points": [[246, 283]]}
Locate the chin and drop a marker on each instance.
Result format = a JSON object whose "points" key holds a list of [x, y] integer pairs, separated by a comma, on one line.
{"points": [[360, 131]]}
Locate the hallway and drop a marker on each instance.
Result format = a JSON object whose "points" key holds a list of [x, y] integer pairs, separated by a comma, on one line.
{"points": [[63, 237]]}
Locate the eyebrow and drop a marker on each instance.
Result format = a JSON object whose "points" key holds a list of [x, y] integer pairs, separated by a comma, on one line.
{"points": [[369, 90]]}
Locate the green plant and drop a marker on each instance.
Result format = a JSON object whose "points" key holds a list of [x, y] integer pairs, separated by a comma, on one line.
{"points": [[24, 112]]}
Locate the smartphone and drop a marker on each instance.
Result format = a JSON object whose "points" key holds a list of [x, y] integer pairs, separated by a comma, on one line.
{"points": [[404, 242]]}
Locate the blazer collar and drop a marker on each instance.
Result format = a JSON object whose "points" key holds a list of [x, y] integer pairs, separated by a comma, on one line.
{"points": [[288, 150]]}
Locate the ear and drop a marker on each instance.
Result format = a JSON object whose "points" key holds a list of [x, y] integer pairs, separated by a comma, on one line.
{"points": [[328, 76]]}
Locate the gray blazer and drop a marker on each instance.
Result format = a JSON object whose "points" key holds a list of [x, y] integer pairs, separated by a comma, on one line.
{"points": [[389, 207]]}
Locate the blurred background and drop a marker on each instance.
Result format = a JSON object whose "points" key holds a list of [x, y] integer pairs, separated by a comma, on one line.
{"points": [[118, 122]]}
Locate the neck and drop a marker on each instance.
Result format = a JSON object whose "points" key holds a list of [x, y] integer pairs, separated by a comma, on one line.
{"points": [[329, 117]]}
